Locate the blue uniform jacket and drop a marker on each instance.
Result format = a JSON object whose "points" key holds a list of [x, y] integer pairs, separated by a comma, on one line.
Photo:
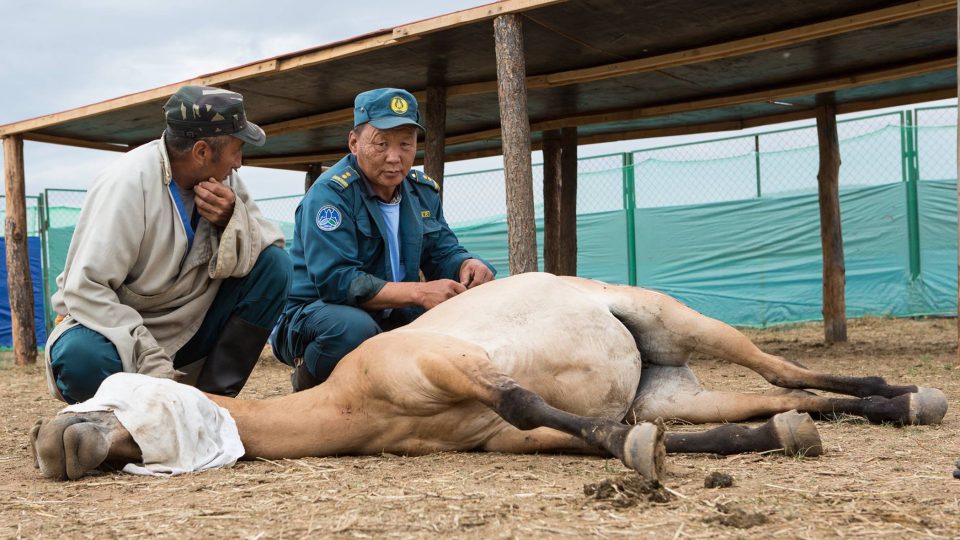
{"points": [[339, 249]]}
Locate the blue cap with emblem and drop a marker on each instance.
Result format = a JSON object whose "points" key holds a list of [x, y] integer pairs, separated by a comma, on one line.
{"points": [[386, 108]]}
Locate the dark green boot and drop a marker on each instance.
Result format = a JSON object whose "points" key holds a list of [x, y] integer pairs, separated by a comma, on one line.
{"points": [[230, 362]]}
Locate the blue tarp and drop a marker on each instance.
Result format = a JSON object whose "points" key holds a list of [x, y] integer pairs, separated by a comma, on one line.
{"points": [[36, 276]]}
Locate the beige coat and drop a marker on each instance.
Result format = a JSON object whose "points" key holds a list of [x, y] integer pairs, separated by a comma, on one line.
{"points": [[128, 275]]}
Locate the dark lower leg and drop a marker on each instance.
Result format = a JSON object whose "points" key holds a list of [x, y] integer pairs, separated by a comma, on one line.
{"points": [[876, 409], [851, 386], [724, 440], [526, 410]]}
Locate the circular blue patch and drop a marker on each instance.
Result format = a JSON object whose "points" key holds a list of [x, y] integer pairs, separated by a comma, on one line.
{"points": [[329, 218]]}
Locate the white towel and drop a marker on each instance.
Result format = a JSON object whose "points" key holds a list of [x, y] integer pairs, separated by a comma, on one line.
{"points": [[178, 429]]}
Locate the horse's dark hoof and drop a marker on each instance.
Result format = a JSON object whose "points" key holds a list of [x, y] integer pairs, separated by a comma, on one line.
{"points": [[797, 434], [927, 406], [644, 450]]}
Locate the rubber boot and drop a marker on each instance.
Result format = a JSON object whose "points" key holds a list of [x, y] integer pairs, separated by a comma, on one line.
{"points": [[232, 358], [301, 378]]}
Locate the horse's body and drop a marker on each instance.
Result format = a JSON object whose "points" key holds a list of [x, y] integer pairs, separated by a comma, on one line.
{"points": [[470, 374]]}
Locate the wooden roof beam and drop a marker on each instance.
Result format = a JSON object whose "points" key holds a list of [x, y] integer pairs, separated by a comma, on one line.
{"points": [[742, 99], [80, 143], [778, 93], [691, 56], [298, 162], [739, 47], [467, 16]]}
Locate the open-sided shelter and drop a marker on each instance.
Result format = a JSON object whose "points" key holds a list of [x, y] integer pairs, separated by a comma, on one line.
{"points": [[517, 75]]}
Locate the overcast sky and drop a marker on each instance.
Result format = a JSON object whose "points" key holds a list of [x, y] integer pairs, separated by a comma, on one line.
{"points": [[58, 54]]}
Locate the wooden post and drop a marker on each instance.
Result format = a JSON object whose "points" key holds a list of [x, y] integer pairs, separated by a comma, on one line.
{"points": [[551, 201], [515, 129], [831, 237], [19, 284], [435, 122], [568, 201], [314, 170]]}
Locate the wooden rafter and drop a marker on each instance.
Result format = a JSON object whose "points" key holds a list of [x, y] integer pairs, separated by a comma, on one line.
{"points": [[326, 53], [720, 51], [382, 39]]}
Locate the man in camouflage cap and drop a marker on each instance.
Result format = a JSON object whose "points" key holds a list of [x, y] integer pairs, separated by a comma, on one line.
{"points": [[196, 112], [172, 270], [364, 232]]}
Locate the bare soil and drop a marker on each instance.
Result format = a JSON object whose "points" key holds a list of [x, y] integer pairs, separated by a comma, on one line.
{"points": [[872, 481]]}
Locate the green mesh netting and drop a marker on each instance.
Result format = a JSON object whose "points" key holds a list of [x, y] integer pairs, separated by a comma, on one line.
{"points": [[704, 235]]}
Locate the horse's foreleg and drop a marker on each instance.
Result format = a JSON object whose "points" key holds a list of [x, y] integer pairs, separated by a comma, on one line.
{"points": [[473, 376], [792, 432]]}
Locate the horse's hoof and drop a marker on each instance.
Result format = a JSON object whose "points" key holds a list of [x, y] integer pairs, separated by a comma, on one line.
{"points": [[644, 450], [927, 406], [67, 447], [86, 447], [797, 434], [34, 433]]}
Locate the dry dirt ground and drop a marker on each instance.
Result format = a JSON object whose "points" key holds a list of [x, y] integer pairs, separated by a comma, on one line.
{"points": [[873, 480]]}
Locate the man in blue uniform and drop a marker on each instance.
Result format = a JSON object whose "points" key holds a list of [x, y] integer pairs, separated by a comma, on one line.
{"points": [[364, 232]]}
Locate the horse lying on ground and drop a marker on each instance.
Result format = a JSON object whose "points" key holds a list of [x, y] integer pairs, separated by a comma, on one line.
{"points": [[531, 363]]}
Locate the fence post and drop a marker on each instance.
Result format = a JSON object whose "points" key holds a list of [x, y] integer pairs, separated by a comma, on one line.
{"points": [[756, 154], [43, 227], [908, 148], [630, 207]]}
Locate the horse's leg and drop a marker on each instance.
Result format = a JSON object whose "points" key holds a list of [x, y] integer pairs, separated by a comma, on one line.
{"points": [[675, 393], [473, 376], [667, 332], [70, 445]]}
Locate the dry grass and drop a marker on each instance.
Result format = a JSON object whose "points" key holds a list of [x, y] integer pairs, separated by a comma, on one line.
{"points": [[874, 481]]}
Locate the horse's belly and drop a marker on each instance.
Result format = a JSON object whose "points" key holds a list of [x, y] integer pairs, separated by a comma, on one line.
{"points": [[549, 337]]}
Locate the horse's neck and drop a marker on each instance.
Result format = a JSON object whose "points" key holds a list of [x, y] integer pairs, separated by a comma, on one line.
{"points": [[314, 422]]}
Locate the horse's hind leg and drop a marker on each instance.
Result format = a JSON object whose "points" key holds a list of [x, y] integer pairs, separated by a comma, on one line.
{"points": [[473, 376], [71, 445], [668, 331], [675, 393]]}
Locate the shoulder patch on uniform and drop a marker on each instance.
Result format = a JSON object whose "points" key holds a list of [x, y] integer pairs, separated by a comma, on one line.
{"points": [[329, 218], [343, 178], [422, 178], [425, 213]]}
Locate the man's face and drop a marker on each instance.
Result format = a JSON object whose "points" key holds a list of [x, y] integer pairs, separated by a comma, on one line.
{"points": [[230, 157], [384, 156]]}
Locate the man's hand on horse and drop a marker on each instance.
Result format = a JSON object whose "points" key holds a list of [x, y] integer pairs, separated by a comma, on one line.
{"points": [[432, 293], [473, 272], [214, 201]]}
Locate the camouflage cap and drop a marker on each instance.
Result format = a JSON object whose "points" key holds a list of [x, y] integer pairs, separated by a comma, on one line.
{"points": [[386, 108], [195, 112]]}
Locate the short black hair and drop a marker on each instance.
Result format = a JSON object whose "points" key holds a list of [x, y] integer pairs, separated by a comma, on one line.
{"points": [[361, 128], [178, 145]]}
